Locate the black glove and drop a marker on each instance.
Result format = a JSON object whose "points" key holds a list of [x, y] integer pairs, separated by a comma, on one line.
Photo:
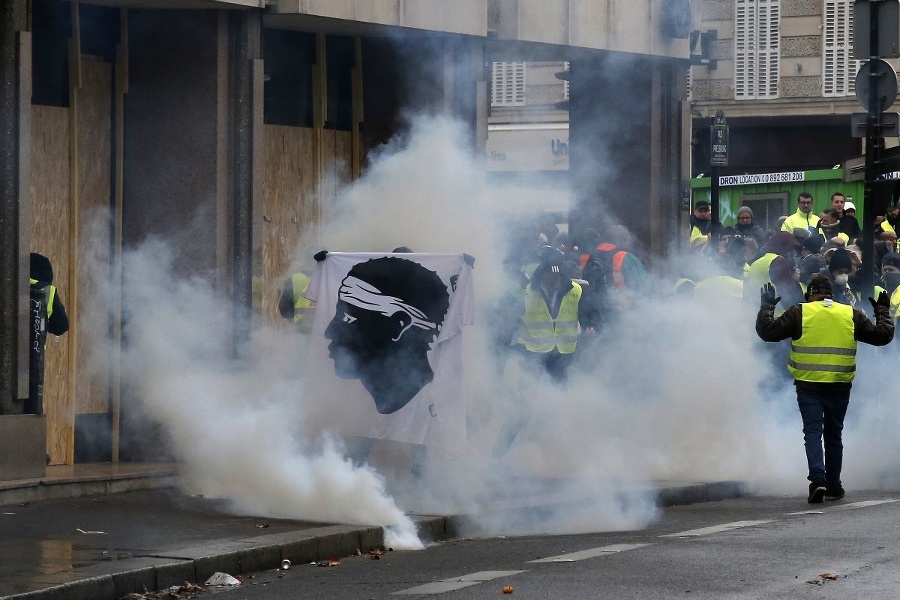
{"points": [[320, 255], [883, 300], [767, 295]]}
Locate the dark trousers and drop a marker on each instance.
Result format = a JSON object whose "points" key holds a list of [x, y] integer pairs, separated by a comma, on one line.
{"points": [[823, 417]]}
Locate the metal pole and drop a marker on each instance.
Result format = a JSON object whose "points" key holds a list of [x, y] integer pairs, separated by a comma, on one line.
{"points": [[246, 29], [874, 145], [714, 194]]}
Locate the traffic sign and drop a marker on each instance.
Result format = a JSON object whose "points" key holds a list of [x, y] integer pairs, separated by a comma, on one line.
{"points": [[876, 77], [718, 138], [887, 16], [887, 125]]}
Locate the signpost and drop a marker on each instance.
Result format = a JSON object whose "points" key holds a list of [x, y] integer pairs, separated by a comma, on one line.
{"points": [[877, 35], [718, 157]]}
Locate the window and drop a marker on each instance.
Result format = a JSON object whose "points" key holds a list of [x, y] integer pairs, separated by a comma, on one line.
{"points": [[767, 208], [756, 49], [838, 65], [508, 84]]}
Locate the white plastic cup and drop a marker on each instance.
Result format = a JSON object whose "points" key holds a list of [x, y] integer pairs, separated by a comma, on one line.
{"points": [[285, 565]]}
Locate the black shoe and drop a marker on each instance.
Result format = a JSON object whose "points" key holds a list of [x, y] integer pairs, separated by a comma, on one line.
{"points": [[816, 492], [834, 494]]}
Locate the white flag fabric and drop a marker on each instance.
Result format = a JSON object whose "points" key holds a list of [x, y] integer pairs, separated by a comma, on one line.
{"points": [[386, 348]]}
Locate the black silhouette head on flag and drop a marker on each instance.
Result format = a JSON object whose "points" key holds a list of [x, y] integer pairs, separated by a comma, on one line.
{"points": [[389, 311]]}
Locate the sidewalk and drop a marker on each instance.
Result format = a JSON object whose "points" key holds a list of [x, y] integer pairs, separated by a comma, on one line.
{"points": [[100, 532]]}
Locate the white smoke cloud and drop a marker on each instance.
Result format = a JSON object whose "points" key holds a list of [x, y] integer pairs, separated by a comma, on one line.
{"points": [[670, 393], [237, 423]]}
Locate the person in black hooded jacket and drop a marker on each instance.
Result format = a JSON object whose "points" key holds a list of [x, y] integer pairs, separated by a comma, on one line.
{"points": [[42, 279]]}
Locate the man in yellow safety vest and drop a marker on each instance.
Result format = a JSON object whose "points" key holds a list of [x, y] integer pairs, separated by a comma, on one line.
{"points": [[824, 334]]}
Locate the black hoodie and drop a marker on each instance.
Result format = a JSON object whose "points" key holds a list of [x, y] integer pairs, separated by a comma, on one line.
{"points": [[42, 272]]}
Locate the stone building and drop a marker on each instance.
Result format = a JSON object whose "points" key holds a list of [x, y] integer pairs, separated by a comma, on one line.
{"points": [[783, 72], [121, 119]]}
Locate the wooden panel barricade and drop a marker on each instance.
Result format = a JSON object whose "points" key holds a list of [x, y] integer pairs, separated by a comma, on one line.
{"points": [[50, 237]]}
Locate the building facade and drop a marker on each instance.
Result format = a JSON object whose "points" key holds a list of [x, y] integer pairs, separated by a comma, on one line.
{"points": [[783, 72], [124, 119]]}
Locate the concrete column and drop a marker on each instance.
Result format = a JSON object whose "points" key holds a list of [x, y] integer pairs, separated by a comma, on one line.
{"points": [[13, 379], [245, 55]]}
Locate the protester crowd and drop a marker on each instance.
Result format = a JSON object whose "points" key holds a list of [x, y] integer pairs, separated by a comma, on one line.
{"points": [[804, 277]]}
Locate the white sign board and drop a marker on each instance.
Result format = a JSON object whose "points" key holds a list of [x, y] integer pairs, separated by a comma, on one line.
{"points": [[528, 147]]}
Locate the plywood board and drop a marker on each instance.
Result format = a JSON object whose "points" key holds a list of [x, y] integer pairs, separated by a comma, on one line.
{"points": [[92, 203], [49, 191], [288, 186]]}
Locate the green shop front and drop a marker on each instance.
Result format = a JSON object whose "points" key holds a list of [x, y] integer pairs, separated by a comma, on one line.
{"points": [[772, 195]]}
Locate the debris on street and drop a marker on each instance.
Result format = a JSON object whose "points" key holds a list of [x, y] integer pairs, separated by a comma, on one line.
{"points": [[222, 579], [331, 562], [188, 590], [823, 578], [507, 589]]}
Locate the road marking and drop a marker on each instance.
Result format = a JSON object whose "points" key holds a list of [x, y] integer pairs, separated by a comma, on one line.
{"points": [[590, 553], [849, 506], [715, 529], [456, 583]]}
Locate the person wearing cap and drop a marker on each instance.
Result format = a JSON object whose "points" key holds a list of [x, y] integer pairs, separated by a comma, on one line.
{"points": [[804, 218], [553, 316], [824, 335], [840, 268], [701, 224], [745, 226]]}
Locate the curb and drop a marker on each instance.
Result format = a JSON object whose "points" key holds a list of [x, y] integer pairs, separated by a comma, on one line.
{"points": [[197, 563], [37, 490]]}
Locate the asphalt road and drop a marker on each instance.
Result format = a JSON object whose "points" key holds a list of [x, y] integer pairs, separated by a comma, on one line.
{"points": [[742, 548]]}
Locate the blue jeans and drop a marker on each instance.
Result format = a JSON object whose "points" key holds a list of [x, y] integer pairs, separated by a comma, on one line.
{"points": [[823, 415]]}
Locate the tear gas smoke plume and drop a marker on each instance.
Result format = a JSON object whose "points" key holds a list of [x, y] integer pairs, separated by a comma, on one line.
{"points": [[237, 424]]}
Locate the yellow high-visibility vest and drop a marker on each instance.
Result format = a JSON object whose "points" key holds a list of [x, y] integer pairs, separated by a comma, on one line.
{"points": [[542, 333], [826, 350]]}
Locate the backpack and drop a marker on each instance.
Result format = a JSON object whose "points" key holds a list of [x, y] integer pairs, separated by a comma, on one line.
{"points": [[598, 272]]}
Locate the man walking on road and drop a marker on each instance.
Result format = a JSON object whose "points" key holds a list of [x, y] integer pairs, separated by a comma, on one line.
{"points": [[824, 334]]}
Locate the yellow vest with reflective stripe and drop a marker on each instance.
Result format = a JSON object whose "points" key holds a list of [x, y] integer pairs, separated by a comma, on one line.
{"points": [[542, 333], [826, 350]]}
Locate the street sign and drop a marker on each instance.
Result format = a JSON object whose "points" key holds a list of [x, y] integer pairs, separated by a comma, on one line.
{"points": [[876, 77], [888, 19], [888, 125], [718, 138]]}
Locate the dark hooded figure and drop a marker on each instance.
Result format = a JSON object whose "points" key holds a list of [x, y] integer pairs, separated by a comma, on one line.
{"points": [[389, 312], [42, 282]]}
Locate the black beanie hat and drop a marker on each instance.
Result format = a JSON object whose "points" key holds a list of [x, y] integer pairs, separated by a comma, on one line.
{"points": [[840, 260]]}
